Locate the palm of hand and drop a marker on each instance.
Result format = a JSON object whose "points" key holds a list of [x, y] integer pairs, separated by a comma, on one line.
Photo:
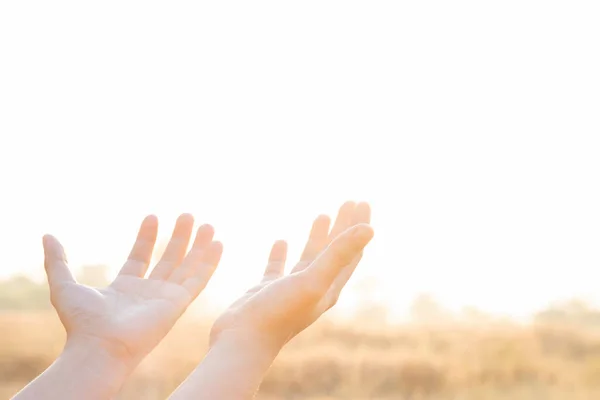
{"points": [[280, 307], [136, 313], [133, 314]]}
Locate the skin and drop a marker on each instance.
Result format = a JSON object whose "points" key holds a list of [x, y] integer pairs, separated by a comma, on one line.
{"points": [[110, 330], [245, 340]]}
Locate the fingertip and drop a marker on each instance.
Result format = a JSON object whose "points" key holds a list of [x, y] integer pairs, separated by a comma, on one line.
{"points": [[348, 205], [217, 246], [362, 213], [363, 205], [53, 249], [344, 219], [280, 243], [362, 233], [355, 237], [204, 236], [278, 251], [321, 224], [47, 244], [184, 225], [206, 229], [322, 219], [150, 220], [50, 242], [47, 239], [148, 229], [185, 218]]}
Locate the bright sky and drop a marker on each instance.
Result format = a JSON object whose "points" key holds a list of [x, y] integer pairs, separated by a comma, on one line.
{"points": [[472, 128]]}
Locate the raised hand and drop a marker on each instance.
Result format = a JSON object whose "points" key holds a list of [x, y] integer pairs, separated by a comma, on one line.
{"points": [[280, 307], [247, 337], [134, 313], [109, 330]]}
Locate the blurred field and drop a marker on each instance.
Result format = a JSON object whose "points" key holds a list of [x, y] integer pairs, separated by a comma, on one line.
{"points": [[331, 361]]}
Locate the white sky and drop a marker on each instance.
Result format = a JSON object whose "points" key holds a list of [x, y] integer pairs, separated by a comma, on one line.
{"points": [[473, 128]]}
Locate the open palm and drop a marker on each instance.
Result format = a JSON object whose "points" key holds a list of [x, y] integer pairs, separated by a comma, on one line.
{"points": [[280, 307], [134, 313]]}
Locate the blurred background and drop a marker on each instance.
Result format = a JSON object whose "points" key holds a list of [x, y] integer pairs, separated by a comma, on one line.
{"points": [[472, 128]]}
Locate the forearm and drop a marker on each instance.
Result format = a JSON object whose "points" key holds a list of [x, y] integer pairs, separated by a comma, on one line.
{"points": [[80, 372], [233, 369]]}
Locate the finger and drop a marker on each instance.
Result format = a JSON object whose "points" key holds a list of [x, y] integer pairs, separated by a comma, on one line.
{"points": [[317, 239], [343, 220], [276, 264], [141, 253], [55, 263], [340, 253], [204, 236], [341, 280], [205, 269], [176, 248], [362, 214]]}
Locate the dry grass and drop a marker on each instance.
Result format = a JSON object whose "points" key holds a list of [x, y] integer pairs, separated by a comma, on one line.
{"points": [[332, 361]]}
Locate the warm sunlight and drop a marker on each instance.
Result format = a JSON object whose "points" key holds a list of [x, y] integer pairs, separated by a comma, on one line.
{"points": [[478, 189], [471, 128]]}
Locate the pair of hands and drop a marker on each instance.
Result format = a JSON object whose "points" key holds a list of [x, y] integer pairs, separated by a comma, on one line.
{"points": [[131, 316]]}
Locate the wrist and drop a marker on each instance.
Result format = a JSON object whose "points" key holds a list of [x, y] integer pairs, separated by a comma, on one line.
{"points": [[97, 367], [249, 343], [102, 349], [84, 370], [245, 356]]}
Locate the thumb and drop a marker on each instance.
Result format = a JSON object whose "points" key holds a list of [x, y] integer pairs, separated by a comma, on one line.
{"points": [[55, 262], [340, 253]]}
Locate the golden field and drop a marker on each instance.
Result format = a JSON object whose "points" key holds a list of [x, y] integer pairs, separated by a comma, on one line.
{"points": [[334, 361]]}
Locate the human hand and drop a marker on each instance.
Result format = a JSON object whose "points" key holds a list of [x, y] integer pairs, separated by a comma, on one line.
{"points": [[246, 338], [129, 318], [279, 307]]}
